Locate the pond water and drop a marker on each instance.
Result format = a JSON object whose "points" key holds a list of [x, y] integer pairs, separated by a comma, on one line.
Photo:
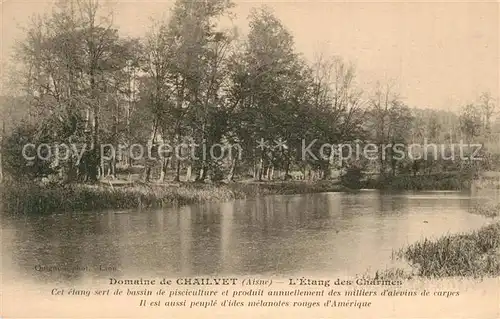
{"points": [[320, 234], [329, 235]]}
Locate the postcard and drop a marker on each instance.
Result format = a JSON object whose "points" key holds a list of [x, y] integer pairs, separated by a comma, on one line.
{"points": [[249, 159]]}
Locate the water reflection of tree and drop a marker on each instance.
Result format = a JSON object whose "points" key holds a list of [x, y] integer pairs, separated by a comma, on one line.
{"points": [[258, 231], [153, 242], [69, 241], [205, 252], [392, 204]]}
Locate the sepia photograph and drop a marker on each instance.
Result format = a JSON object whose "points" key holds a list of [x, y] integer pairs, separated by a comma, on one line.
{"points": [[231, 158]]}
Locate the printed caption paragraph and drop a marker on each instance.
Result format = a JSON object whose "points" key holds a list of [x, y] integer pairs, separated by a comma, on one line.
{"points": [[227, 292]]}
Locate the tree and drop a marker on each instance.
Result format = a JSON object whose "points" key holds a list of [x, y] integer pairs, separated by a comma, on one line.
{"points": [[390, 121], [186, 70], [470, 122], [71, 58], [488, 108], [337, 102], [270, 90], [156, 89]]}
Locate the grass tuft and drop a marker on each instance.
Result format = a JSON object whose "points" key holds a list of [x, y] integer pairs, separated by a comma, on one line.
{"points": [[463, 255]]}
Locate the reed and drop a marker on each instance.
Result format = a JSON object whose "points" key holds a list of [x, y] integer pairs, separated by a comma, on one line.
{"points": [[490, 210], [476, 254], [43, 199]]}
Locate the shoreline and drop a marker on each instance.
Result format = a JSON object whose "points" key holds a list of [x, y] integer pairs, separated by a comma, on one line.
{"points": [[46, 198], [38, 198], [21, 198], [465, 255]]}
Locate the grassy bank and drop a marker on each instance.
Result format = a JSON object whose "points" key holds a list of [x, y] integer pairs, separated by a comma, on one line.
{"points": [[37, 198], [487, 183], [475, 254], [32, 198], [471, 255], [490, 210]]}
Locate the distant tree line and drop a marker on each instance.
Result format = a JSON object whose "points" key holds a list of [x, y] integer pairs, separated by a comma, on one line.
{"points": [[190, 79]]}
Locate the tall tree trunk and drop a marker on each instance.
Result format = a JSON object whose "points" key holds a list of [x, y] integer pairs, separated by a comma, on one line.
{"points": [[382, 163], [87, 119], [327, 164], [99, 171], [72, 171], [112, 164], [149, 162], [204, 167], [326, 172], [128, 111], [393, 166], [202, 176], [164, 168], [270, 172], [177, 151], [189, 170], [287, 169], [199, 175], [260, 169], [94, 165], [232, 169], [113, 167], [147, 175], [177, 177]]}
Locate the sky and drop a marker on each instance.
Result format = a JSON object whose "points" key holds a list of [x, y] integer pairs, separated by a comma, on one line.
{"points": [[439, 55]]}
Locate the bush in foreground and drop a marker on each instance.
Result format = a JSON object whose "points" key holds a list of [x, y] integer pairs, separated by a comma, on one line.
{"points": [[463, 255]]}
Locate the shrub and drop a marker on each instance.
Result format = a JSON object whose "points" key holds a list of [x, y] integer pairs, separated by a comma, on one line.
{"points": [[352, 178]]}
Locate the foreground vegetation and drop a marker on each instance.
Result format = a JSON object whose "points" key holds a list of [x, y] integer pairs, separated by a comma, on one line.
{"points": [[475, 254]]}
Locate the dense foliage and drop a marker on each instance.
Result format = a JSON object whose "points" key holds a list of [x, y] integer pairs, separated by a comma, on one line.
{"points": [[190, 81]]}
